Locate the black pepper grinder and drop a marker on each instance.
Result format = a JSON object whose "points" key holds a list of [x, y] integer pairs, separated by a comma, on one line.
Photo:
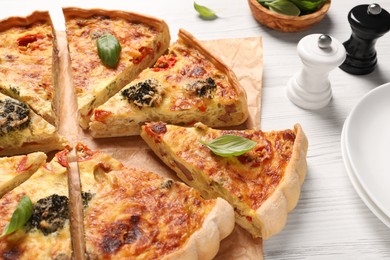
{"points": [[368, 23]]}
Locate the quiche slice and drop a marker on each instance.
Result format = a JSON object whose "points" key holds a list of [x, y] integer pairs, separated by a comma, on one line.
{"points": [[135, 214], [142, 39], [186, 85], [26, 62], [23, 131], [46, 235], [262, 185], [17, 169]]}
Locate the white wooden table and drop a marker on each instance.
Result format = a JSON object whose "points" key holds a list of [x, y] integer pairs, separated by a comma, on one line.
{"points": [[330, 221]]}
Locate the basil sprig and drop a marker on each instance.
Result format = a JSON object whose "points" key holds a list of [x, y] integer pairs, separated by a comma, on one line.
{"points": [[109, 50], [308, 5], [230, 145], [20, 216], [283, 7], [292, 7], [204, 11]]}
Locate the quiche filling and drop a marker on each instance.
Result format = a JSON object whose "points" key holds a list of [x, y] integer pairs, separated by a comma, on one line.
{"points": [[203, 88], [147, 93], [26, 65], [141, 39], [51, 213], [245, 181], [14, 115], [151, 212]]}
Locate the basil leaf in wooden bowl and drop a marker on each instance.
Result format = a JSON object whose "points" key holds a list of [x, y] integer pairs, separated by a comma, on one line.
{"points": [[282, 16]]}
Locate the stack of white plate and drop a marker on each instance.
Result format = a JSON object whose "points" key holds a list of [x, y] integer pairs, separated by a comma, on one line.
{"points": [[365, 146]]}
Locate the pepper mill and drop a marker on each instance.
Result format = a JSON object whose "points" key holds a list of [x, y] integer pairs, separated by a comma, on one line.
{"points": [[310, 88], [368, 23]]}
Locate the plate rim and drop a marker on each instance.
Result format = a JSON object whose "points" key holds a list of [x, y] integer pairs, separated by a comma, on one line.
{"points": [[346, 141], [357, 184]]}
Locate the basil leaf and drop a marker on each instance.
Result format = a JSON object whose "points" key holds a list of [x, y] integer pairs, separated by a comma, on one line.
{"points": [[283, 7], [20, 216], [264, 1], [204, 11], [230, 145], [109, 49], [308, 5]]}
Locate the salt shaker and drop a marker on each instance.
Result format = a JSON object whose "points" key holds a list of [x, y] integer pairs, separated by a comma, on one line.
{"points": [[368, 23], [310, 88]]}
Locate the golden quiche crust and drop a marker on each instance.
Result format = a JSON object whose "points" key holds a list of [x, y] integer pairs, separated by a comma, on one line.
{"points": [[137, 214], [27, 47], [44, 239], [142, 38], [187, 85], [262, 185]]}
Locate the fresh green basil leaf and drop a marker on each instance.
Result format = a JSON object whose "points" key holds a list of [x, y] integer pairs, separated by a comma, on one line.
{"points": [[264, 1], [204, 11], [230, 145], [284, 7], [109, 50], [20, 216], [308, 5]]}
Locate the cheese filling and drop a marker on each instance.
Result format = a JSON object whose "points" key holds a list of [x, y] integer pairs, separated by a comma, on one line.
{"points": [[14, 115], [147, 93]]}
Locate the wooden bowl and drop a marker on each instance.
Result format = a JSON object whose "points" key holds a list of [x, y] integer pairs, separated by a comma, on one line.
{"points": [[285, 23]]}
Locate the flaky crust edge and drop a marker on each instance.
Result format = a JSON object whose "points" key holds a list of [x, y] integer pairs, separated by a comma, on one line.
{"points": [[129, 16], [192, 41], [273, 212], [34, 17], [204, 243]]}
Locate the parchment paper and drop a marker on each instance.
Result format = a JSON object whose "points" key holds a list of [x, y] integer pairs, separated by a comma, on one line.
{"points": [[244, 56]]}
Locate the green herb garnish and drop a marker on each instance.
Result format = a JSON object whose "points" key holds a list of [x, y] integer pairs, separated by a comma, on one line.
{"points": [[109, 49], [204, 11], [292, 7], [230, 145], [283, 7], [308, 5], [20, 216]]}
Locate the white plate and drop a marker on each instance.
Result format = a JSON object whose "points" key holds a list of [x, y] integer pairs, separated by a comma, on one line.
{"points": [[358, 187], [367, 144]]}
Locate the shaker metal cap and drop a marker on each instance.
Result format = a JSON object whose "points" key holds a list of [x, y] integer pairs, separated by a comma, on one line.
{"points": [[374, 9], [324, 41], [371, 19]]}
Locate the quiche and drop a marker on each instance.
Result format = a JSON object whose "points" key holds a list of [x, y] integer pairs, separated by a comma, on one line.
{"points": [[46, 235], [186, 85], [262, 185], [26, 57], [136, 214], [23, 131], [17, 169], [142, 40]]}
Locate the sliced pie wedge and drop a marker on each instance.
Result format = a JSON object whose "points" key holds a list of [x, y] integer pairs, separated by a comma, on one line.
{"points": [[187, 85], [46, 234], [23, 131], [133, 213], [142, 39], [262, 185], [17, 169], [26, 51]]}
